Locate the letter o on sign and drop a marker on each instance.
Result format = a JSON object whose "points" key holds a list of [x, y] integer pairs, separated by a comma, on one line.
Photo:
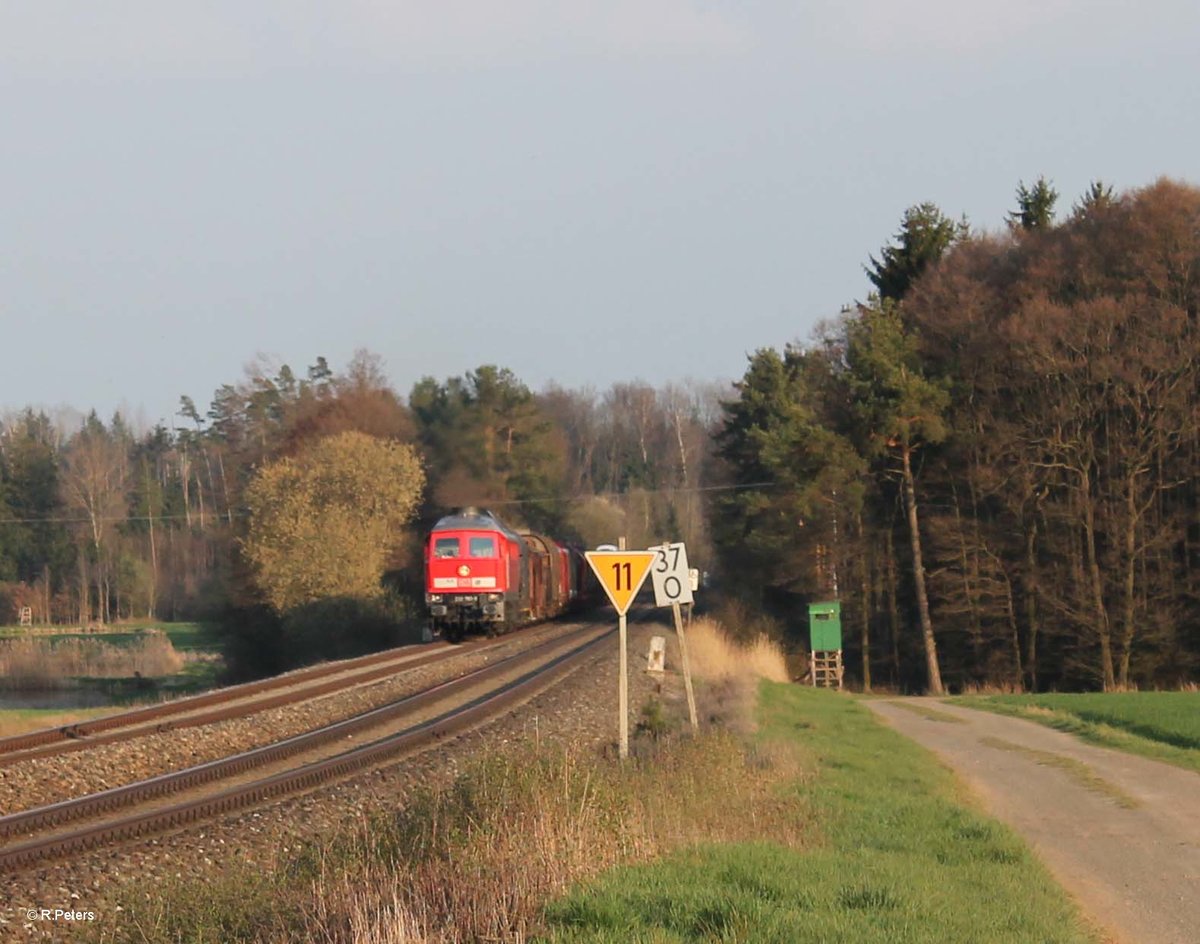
{"points": [[672, 584]]}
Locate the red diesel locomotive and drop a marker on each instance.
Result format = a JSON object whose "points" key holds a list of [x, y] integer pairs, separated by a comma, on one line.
{"points": [[481, 576]]}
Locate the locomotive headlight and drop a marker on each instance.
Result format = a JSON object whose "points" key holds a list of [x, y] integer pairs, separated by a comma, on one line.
{"points": [[495, 596], [464, 570], [433, 598]]}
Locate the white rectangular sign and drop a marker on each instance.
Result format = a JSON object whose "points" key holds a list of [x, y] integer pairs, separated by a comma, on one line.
{"points": [[672, 583]]}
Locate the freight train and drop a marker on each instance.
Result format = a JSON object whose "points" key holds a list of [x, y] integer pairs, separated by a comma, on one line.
{"points": [[483, 577]]}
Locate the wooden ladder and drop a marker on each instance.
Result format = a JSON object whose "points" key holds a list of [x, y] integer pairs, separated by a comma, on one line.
{"points": [[827, 669]]}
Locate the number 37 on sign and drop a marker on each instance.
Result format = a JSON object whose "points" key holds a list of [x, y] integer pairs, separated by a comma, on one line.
{"points": [[672, 582]]}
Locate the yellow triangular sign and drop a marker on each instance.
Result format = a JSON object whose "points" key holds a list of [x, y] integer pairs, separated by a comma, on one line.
{"points": [[621, 574]]}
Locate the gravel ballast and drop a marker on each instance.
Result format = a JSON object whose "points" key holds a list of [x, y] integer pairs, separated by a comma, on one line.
{"points": [[579, 712]]}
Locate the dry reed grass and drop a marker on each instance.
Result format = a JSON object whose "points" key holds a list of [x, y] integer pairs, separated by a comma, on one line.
{"points": [[477, 861], [729, 670], [32, 664], [715, 654], [993, 688]]}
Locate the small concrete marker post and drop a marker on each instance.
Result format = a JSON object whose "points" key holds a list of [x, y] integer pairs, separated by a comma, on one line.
{"points": [[656, 661], [621, 573], [672, 587]]}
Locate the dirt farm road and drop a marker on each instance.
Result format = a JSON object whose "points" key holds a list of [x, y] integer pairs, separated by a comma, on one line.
{"points": [[1119, 832]]}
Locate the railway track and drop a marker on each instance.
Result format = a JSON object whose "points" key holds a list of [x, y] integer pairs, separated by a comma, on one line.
{"points": [[137, 718], [452, 706], [235, 702]]}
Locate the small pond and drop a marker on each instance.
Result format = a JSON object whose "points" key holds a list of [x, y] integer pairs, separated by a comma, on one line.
{"points": [[58, 699]]}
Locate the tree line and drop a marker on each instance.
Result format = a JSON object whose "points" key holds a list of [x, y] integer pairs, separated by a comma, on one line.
{"points": [[294, 490], [992, 461]]}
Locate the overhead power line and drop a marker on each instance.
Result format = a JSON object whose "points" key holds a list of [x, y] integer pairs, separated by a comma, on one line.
{"points": [[226, 515]]}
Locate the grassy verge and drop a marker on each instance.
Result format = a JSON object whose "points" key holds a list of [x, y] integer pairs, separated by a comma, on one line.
{"points": [[1161, 725], [900, 858], [193, 637], [476, 861]]}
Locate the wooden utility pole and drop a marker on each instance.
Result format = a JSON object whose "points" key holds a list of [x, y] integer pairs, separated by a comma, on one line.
{"points": [[623, 677], [672, 584], [687, 668], [621, 573]]}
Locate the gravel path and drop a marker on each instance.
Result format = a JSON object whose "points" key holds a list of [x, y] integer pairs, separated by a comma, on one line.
{"points": [[1121, 833]]}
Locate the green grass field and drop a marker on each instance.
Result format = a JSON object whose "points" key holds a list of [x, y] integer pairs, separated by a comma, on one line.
{"points": [[194, 637], [104, 667], [1161, 725], [900, 856]]}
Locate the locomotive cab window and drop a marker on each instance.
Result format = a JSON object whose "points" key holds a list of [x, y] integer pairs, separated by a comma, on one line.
{"points": [[445, 547], [482, 547]]}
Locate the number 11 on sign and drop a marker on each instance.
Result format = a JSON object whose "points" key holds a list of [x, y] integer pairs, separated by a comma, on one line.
{"points": [[621, 574]]}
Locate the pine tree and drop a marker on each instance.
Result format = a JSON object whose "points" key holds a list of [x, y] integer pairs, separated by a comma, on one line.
{"points": [[1035, 206], [898, 410], [925, 234]]}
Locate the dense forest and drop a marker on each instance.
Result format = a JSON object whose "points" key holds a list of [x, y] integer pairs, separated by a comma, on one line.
{"points": [[992, 462]]}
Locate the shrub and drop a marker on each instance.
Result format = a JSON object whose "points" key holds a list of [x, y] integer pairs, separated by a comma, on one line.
{"points": [[27, 663]]}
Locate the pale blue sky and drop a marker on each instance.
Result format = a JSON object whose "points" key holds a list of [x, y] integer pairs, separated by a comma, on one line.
{"points": [[581, 191]]}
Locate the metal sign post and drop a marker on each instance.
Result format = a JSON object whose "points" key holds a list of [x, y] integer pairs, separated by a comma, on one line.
{"points": [[621, 574]]}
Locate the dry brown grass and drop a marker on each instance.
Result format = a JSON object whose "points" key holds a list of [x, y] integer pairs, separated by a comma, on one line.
{"points": [[21, 722], [993, 688], [715, 655], [476, 862], [47, 663], [728, 672]]}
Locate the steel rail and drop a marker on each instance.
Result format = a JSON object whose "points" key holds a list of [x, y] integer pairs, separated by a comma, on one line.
{"points": [[131, 724], [19, 742], [237, 707], [317, 772], [95, 803]]}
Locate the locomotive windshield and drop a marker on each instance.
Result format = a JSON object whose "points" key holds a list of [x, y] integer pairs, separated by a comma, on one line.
{"points": [[482, 547], [445, 547]]}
